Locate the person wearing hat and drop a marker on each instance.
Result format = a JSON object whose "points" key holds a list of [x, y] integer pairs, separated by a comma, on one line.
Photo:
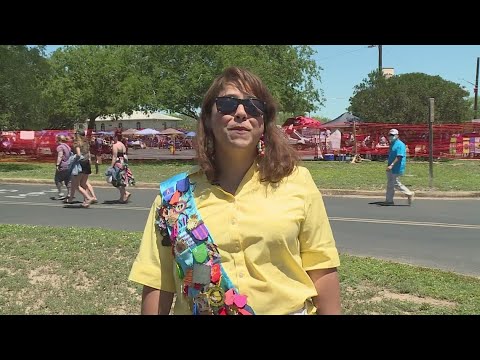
{"points": [[397, 160]]}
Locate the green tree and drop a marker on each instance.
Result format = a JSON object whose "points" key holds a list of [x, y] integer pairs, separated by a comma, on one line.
{"points": [[95, 80], [471, 109], [187, 123], [182, 74], [23, 72], [91, 81], [404, 99]]}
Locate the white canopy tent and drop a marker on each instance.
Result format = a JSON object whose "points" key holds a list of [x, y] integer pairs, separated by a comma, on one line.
{"points": [[148, 131]]}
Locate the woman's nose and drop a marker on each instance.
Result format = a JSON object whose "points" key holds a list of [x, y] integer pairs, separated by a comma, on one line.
{"points": [[240, 113]]}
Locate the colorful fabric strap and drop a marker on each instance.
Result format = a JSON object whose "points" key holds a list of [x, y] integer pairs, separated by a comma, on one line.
{"points": [[205, 282]]}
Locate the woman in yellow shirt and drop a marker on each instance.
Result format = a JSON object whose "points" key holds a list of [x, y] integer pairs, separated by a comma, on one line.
{"points": [[245, 232]]}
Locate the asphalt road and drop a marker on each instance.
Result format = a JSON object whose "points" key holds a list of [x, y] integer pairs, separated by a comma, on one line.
{"points": [[435, 233]]}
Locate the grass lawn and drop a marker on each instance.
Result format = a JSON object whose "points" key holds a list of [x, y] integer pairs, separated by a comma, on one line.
{"points": [[46, 270], [454, 175]]}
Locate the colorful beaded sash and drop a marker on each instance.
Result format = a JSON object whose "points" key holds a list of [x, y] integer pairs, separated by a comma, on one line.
{"points": [[198, 262]]}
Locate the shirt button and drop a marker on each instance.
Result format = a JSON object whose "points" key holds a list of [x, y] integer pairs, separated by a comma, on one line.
{"points": [[237, 248], [240, 275], [234, 221]]}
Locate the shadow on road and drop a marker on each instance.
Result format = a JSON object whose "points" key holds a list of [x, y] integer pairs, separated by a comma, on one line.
{"points": [[111, 202], [382, 203], [74, 205]]}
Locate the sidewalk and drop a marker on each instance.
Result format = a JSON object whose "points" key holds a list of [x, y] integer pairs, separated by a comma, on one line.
{"points": [[333, 192]]}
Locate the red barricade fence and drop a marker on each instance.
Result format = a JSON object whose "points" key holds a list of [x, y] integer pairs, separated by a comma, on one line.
{"points": [[449, 140]]}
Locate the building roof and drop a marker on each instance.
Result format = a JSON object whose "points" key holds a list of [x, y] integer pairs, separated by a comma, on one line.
{"points": [[346, 119], [140, 115]]}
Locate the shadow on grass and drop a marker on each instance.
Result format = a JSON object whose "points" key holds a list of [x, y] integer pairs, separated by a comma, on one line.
{"points": [[8, 167]]}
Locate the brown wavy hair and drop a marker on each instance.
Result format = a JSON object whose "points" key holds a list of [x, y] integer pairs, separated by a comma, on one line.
{"points": [[81, 143], [280, 157]]}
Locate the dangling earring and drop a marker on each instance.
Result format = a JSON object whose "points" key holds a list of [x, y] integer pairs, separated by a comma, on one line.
{"points": [[261, 146]]}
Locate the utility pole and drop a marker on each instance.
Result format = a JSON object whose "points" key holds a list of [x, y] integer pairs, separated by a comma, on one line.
{"points": [[475, 91], [430, 139], [380, 67]]}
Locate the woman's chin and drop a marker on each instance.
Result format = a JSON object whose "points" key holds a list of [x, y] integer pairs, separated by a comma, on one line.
{"points": [[241, 144]]}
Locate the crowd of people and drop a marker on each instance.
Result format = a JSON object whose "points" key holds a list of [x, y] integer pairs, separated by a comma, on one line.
{"points": [[74, 166]]}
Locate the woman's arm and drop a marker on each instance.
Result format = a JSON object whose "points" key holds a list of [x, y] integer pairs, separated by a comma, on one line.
{"points": [[327, 285], [59, 157], [156, 302]]}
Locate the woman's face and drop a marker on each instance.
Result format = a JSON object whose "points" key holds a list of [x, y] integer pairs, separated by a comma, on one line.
{"points": [[237, 129]]}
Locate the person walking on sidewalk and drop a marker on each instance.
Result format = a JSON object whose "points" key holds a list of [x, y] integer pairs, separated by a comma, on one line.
{"points": [[62, 173], [81, 170], [122, 174], [397, 160]]}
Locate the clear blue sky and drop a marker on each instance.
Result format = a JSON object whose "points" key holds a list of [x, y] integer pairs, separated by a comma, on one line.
{"points": [[345, 66]]}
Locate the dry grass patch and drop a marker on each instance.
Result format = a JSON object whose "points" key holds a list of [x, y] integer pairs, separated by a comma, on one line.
{"points": [[385, 294], [82, 282], [68, 271], [45, 276]]}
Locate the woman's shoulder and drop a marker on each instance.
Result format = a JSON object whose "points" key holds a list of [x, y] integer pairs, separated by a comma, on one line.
{"points": [[300, 173], [302, 179]]}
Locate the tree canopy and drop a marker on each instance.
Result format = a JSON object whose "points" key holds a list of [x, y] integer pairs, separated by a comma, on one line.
{"points": [[94, 80], [90, 81], [404, 99], [23, 73]]}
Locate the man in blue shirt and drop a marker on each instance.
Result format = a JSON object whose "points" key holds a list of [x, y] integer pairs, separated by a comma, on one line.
{"points": [[397, 159]]}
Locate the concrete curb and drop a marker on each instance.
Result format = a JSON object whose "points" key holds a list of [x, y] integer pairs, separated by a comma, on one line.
{"points": [[343, 192], [418, 194], [138, 184]]}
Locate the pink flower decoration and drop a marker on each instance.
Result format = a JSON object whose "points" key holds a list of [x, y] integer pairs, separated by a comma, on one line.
{"points": [[240, 300], [229, 297]]}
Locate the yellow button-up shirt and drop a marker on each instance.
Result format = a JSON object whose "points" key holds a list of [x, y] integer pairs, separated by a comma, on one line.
{"points": [[268, 236]]}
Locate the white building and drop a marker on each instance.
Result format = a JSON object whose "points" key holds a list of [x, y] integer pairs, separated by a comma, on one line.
{"points": [[138, 120], [388, 72]]}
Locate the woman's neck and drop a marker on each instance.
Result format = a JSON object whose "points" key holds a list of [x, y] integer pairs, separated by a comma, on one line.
{"points": [[231, 168]]}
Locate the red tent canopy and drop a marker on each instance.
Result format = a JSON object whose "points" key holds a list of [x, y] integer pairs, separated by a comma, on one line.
{"points": [[303, 121]]}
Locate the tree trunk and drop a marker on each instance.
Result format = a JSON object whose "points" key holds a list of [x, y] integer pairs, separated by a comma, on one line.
{"points": [[91, 124]]}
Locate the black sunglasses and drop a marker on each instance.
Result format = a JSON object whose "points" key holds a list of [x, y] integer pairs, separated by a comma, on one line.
{"points": [[229, 104]]}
